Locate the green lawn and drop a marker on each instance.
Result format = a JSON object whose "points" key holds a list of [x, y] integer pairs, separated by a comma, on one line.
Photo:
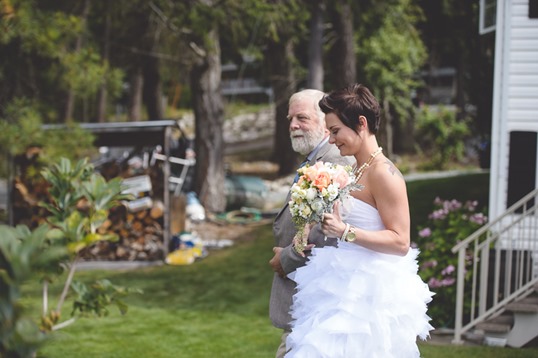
{"points": [[216, 307]]}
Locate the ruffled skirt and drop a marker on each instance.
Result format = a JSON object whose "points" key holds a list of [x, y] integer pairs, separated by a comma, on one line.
{"points": [[354, 302]]}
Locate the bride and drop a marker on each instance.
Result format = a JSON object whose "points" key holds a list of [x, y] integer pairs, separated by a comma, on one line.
{"points": [[363, 298]]}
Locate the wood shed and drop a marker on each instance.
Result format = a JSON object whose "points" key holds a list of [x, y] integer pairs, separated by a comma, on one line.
{"points": [[148, 156]]}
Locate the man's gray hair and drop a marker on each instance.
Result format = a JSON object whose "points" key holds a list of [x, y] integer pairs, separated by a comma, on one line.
{"points": [[310, 94]]}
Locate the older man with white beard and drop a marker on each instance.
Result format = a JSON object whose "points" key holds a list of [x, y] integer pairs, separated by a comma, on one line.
{"points": [[310, 137]]}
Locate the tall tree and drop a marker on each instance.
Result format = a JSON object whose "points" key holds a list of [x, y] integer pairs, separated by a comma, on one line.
{"points": [[103, 91], [70, 100], [343, 55], [285, 24], [209, 114], [391, 57], [279, 58], [198, 22], [315, 46]]}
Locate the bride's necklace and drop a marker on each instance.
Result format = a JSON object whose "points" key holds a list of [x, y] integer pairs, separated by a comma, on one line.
{"points": [[360, 171]]}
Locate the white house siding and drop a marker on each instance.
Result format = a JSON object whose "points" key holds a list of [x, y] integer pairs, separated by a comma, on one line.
{"points": [[515, 92]]}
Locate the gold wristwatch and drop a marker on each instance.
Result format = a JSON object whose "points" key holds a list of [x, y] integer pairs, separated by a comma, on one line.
{"points": [[350, 235]]}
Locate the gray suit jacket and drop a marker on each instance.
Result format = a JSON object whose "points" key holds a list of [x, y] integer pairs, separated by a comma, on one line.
{"points": [[284, 230]]}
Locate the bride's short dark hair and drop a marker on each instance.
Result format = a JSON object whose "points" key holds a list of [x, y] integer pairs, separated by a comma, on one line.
{"points": [[349, 103]]}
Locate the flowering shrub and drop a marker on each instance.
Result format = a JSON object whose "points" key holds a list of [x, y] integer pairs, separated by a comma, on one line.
{"points": [[450, 222]]}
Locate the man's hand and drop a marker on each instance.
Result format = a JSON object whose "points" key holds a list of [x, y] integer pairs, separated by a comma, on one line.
{"points": [[275, 262]]}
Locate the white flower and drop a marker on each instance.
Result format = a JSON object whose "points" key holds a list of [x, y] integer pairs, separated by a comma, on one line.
{"points": [[311, 194], [318, 205], [333, 191]]}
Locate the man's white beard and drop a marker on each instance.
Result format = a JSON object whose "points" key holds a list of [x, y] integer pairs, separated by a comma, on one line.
{"points": [[307, 142]]}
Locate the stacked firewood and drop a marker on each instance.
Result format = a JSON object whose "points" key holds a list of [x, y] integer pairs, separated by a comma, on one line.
{"points": [[140, 235], [138, 224]]}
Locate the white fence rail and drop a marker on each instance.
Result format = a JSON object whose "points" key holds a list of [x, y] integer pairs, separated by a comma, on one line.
{"points": [[496, 265]]}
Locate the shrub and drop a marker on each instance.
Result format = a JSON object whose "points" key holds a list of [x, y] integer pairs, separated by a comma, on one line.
{"points": [[450, 222], [441, 136]]}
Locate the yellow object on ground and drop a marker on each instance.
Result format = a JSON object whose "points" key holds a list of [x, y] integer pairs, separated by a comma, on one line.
{"points": [[184, 256]]}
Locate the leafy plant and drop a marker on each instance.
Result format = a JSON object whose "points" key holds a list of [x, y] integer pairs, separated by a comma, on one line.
{"points": [[441, 136], [23, 253], [80, 202], [450, 222]]}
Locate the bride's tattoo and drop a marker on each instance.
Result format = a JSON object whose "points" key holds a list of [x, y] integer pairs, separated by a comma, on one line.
{"points": [[392, 168]]}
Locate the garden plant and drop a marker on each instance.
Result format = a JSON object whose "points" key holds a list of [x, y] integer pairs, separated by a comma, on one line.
{"points": [[80, 200], [450, 222]]}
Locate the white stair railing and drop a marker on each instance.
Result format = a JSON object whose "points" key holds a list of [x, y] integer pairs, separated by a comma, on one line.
{"points": [[496, 265]]}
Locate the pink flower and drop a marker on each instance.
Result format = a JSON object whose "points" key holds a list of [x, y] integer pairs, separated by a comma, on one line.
{"points": [[341, 177], [434, 283], [428, 264], [448, 270], [478, 218], [426, 232], [449, 281]]}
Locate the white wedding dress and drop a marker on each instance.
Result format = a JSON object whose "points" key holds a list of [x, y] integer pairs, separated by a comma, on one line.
{"points": [[352, 302]]}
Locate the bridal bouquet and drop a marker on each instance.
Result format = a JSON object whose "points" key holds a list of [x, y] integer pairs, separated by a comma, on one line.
{"points": [[318, 188]]}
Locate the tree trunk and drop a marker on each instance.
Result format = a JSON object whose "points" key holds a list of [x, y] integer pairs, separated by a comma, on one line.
{"points": [[103, 92], [315, 48], [152, 89], [209, 118], [135, 95], [344, 64], [279, 57], [70, 102]]}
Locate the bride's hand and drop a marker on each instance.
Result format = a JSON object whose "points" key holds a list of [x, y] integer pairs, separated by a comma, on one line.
{"points": [[332, 224]]}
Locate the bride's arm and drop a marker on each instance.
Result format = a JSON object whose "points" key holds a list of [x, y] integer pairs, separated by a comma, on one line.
{"points": [[389, 192], [385, 189]]}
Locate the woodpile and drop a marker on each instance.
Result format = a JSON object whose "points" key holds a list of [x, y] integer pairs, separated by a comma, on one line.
{"points": [[139, 224], [140, 235]]}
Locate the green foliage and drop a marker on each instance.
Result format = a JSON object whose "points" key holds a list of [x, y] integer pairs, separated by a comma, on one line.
{"points": [[65, 187], [22, 129], [80, 202], [46, 33], [441, 136], [85, 73], [392, 56], [450, 222], [23, 254], [95, 298], [50, 52]]}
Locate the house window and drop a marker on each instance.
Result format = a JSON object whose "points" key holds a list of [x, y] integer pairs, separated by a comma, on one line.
{"points": [[522, 165], [533, 9], [488, 16]]}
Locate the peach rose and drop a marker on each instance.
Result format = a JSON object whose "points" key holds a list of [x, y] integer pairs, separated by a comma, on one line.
{"points": [[311, 172], [322, 181]]}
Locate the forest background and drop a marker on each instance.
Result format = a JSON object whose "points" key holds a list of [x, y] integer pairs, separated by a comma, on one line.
{"points": [[70, 62]]}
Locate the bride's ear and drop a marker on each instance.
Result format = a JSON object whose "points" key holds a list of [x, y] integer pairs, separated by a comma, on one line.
{"points": [[363, 123]]}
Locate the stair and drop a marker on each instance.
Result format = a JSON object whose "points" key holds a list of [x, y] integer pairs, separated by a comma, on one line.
{"points": [[525, 326], [516, 327]]}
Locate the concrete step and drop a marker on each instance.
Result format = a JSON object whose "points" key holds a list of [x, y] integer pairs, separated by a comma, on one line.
{"points": [[527, 304], [500, 324]]}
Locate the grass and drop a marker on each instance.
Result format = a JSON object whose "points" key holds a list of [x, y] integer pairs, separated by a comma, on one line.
{"points": [[218, 307]]}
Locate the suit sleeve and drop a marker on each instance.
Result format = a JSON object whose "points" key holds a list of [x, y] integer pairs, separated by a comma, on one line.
{"points": [[291, 260]]}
